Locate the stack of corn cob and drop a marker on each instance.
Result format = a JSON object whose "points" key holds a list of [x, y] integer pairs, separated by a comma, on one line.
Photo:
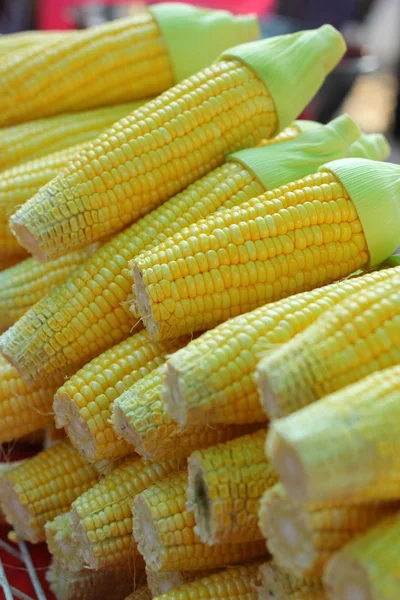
{"points": [[210, 314]]}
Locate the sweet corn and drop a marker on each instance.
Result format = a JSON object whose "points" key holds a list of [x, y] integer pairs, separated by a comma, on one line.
{"points": [[226, 483], [23, 408], [298, 237], [109, 321], [102, 516], [135, 58], [61, 542], [343, 446], [173, 140], [43, 487], [96, 585], [20, 183], [26, 283], [15, 42], [302, 537], [280, 585], [235, 583], [212, 379], [35, 139], [160, 583], [164, 532], [355, 338], [140, 418], [368, 567], [83, 404]]}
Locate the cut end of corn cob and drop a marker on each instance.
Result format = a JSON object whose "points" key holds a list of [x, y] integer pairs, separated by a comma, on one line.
{"points": [[353, 582], [277, 584], [85, 555], [15, 512], [61, 542], [67, 415], [147, 535], [201, 501], [124, 430], [286, 527], [287, 463]]}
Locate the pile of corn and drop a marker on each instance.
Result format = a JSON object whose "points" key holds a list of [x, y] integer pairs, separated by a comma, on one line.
{"points": [[209, 314]]}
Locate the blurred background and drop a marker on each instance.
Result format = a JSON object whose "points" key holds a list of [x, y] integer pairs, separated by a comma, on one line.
{"points": [[366, 84]]}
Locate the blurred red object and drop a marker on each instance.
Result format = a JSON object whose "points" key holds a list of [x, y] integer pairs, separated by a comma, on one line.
{"points": [[259, 7]]}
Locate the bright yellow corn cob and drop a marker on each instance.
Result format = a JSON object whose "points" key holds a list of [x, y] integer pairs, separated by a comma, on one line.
{"points": [[226, 483], [276, 584], [212, 380], [302, 537], [235, 583], [160, 583], [355, 338], [16, 42], [44, 487], [228, 186], [148, 157], [131, 60], [35, 139], [23, 408], [135, 58], [102, 516], [298, 237], [142, 593], [173, 140], [164, 532], [139, 416], [25, 284], [100, 585], [344, 446], [61, 540], [83, 404], [20, 183], [368, 567]]}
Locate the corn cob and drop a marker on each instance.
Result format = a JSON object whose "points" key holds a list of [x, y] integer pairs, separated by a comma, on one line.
{"points": [[83, 404], [61, 542], [250, 173], [236, 583], [25, 284], [357, 337], [35, 139], [42, 488], [344, 446], [164, 532], [142, 593], [302, 537], [276, 584], [20, 183], [16, 42], [100, 585], [183, 134], [226, 483], [212, 380], [116, 322], [140, 418], [160, 583], [6, 467], [298, 237], [135, 58], [368, 567], [23, 408], [85, 342], [102, 516]]}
